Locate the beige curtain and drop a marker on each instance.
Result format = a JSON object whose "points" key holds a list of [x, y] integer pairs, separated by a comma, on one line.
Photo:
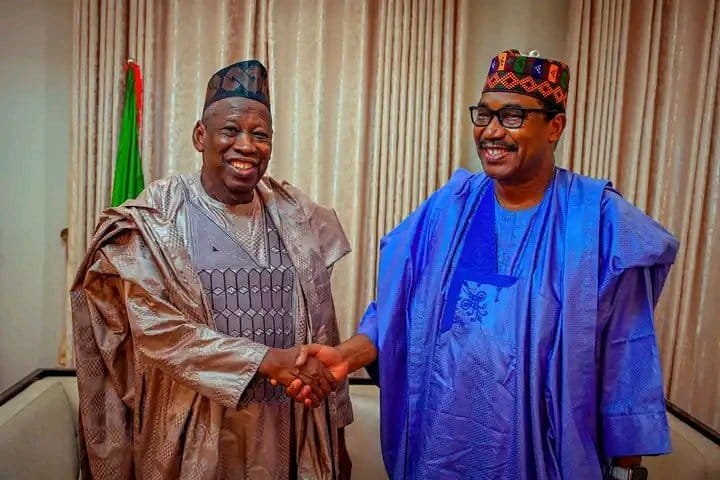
{"points": [[360, 90], [100, 48], [369, 103], [369, 100], [645, 112]]}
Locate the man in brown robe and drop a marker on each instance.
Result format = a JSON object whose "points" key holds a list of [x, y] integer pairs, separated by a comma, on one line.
{"points": [[193, 296]]}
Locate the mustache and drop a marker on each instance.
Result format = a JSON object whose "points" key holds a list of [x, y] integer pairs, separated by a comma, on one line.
{"points": [[507, 146]]}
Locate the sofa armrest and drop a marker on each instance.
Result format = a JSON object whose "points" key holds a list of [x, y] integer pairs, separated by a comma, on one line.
{"points": [[38, 437]]}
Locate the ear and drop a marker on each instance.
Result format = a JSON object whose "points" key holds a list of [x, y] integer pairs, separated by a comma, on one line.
{"points": [[557, 127], [198, 136]]}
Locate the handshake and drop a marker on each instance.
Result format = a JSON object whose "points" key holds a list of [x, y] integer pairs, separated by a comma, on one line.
{"points": [[308, 372]]}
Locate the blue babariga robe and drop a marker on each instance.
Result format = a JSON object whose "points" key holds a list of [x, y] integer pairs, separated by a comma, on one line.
{"points": [[519, 345]]}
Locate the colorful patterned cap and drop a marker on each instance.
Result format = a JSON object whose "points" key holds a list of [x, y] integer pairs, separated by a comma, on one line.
{"points": [[247, 79], [542, 78]]}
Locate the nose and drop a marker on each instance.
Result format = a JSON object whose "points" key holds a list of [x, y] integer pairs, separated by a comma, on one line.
{"points": [[244, 143], [494, 130]]}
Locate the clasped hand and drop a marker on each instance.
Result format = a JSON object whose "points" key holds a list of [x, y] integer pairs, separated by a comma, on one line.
{"points": [[309, 372]]}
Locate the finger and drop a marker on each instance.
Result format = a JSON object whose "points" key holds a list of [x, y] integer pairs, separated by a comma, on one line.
{"points": [[320, 376], [324, 385], [314, 400], [306, 391], [330, 378], [294, 388], [318, 402], [316, 389], [302, 356], [303, 394], [273, 382], [312, 392], [312, 381], [306, 396]]}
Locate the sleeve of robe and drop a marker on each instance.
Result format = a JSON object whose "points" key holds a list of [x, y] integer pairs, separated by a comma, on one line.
{"points": [[638, 255], [326, 225], [217, 366], [333, 243]]}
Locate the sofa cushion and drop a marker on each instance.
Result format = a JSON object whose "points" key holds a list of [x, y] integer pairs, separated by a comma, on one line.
{"points": [[693, 456], [37, 433]]}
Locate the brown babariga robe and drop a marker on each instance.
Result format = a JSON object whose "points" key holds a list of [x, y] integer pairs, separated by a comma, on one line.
{"points": [[155, 377]]}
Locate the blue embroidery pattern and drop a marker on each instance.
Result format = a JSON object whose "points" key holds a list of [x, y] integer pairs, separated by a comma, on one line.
{"points": [[471, 304]]}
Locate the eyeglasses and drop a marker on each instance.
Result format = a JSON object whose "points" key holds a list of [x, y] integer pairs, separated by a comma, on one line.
{"points": [[509, 117]]}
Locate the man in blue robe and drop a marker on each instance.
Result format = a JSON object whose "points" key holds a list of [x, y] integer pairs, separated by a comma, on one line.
{"points": [[512, 335]]}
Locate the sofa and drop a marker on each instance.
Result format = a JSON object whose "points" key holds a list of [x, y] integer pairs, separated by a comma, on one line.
{"points": [[38, 439]]}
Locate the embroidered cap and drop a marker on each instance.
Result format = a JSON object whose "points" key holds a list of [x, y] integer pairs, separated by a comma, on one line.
{"points": [[542, 78], [247, 79]]}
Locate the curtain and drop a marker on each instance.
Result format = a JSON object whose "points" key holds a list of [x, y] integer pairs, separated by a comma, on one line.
{"points": [[100, 49], [360, 90], [369, 100], [370, 112], [645, 112]]}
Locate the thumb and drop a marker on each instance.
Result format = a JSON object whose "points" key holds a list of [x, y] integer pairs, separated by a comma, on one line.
{"points": [[302, 356], [305, 351]]}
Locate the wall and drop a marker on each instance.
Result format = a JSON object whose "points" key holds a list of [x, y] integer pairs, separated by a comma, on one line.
{"points": [[35, 85], [520, 24]]}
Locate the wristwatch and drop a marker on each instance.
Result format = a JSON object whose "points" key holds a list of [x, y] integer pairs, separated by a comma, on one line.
{"points": [[627, 473]]}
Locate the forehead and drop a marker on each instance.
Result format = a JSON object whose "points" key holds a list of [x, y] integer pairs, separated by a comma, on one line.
{"points": [[239, 108], [495, 100]]}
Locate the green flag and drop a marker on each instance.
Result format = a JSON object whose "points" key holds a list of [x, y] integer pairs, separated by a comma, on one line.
{"points": [[128, 181]]}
